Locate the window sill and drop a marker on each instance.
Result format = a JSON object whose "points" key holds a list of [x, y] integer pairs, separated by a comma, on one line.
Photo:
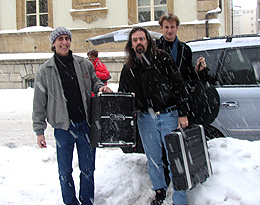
{"points": [[89, 15]]}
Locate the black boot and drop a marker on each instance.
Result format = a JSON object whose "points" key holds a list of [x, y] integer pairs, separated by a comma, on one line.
{"points": [[159, 197]]}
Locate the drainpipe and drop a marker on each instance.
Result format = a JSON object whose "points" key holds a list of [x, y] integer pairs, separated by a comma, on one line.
{"points": [[212, 12]]}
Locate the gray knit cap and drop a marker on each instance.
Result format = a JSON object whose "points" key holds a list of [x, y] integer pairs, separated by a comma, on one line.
{"points": [[59, 31]]}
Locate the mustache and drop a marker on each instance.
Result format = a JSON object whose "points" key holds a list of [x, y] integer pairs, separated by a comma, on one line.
{"points": [[140, 50]]}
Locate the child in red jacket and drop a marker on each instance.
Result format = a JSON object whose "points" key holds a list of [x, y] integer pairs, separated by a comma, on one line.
{"points": [[99, 67]]}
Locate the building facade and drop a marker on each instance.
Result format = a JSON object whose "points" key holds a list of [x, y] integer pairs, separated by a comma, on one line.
{"points": [[25, 25], [245, 21], [88, 18]]}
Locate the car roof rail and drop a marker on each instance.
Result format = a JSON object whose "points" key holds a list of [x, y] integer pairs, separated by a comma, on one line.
{"points": [[228, 38]]}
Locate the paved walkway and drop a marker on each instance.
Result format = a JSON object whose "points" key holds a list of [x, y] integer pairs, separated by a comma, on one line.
{"points": [[16, 131]]}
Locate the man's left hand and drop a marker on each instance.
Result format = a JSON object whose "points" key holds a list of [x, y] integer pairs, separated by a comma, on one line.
{"points": [[105, 89]]}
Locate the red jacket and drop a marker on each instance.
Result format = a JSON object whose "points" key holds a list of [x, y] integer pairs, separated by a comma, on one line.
{"points": [[101, 71]]}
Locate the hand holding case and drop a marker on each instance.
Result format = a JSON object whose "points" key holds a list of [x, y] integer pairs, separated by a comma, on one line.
{"points": [[188, 156]]}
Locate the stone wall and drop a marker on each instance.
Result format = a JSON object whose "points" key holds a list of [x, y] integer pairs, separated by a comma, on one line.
{"points": [[38, 41], [17, 73], [14, 74]]}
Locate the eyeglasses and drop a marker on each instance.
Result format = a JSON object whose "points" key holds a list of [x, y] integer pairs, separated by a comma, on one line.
{"points": [[140, 39]]}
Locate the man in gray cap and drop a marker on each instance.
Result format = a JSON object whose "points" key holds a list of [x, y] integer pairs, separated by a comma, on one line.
{"points": [[63, 87]]}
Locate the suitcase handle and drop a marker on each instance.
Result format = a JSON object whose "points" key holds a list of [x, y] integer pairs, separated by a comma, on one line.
{"points": [[116, 94], [183, 132]]}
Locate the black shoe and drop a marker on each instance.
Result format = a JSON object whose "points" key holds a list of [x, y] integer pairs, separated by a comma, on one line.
{"points": [[159, 197]]}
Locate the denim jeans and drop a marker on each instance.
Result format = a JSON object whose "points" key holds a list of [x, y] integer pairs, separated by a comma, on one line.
{"points": [[152, 129], [78, 134]]}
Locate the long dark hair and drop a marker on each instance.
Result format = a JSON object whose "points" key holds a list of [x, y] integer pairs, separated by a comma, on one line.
{"points": [[130, 53]]}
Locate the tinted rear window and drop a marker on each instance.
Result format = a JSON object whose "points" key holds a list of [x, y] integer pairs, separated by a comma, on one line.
{"points": [[233, 66], [212, 58], [240, 66]]}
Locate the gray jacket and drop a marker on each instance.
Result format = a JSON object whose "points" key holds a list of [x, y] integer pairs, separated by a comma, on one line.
{"points": [[49, 103]]}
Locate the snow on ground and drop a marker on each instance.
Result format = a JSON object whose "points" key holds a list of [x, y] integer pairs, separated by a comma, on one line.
{"points": [[28, 174]]}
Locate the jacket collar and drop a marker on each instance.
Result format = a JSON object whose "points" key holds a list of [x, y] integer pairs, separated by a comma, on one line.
{"points": [[51, 61]]}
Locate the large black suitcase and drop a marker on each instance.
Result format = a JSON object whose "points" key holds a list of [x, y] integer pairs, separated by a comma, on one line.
{"points": [[188, 156], [113, 121]]}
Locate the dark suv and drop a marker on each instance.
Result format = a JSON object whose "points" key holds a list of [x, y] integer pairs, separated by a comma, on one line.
{"points": [[235, 63]]}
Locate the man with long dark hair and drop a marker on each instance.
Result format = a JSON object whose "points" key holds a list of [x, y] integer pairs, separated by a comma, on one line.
{"points": [[161, 101]]}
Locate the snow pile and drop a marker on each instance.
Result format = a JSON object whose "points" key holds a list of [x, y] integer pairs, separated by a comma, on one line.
{"points": [[29, 175]]}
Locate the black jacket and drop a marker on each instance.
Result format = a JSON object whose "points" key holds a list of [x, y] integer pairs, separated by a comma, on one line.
{"points": [[157, 86], [184, 60]]}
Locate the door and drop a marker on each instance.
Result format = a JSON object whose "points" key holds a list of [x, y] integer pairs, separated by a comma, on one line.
{"points": [[239, 114]]}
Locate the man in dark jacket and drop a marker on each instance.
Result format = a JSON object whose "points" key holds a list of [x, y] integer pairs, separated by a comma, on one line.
{"points": [[182, 56], [161, 100], [62, 94], [180, 52]]}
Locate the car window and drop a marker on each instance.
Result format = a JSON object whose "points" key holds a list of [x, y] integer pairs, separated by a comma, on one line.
{"points": [[212, 58], [240, 67]]}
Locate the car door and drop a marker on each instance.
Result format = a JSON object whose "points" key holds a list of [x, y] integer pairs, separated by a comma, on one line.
{"points": [[239, 91]]}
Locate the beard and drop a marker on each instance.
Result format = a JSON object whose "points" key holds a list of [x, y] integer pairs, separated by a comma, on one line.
{"points": [[140, 49]]}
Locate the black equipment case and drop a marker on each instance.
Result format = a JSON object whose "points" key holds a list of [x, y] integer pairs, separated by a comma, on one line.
{"points": [[113, 121], [188, 156]]}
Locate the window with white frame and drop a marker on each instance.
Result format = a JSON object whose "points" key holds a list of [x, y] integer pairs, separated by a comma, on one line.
{"points": [[36, 13], [151, 10]]}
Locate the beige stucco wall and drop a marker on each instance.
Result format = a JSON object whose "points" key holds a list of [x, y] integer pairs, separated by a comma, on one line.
{"points": [[198, 10], [61, 15], [7, 14], [116, 16], [186, 10], [225, 19], [247, 20]]}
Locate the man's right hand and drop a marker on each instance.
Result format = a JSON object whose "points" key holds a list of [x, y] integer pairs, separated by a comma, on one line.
{"points": [[200, 64], [183, 122], [41, 141]]}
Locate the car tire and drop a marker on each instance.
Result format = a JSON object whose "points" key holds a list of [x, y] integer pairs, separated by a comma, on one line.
{"points": [[212, 132]]}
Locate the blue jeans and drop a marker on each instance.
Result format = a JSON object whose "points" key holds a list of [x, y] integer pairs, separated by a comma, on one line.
{"points": [[152, 129], [78, 134]]}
